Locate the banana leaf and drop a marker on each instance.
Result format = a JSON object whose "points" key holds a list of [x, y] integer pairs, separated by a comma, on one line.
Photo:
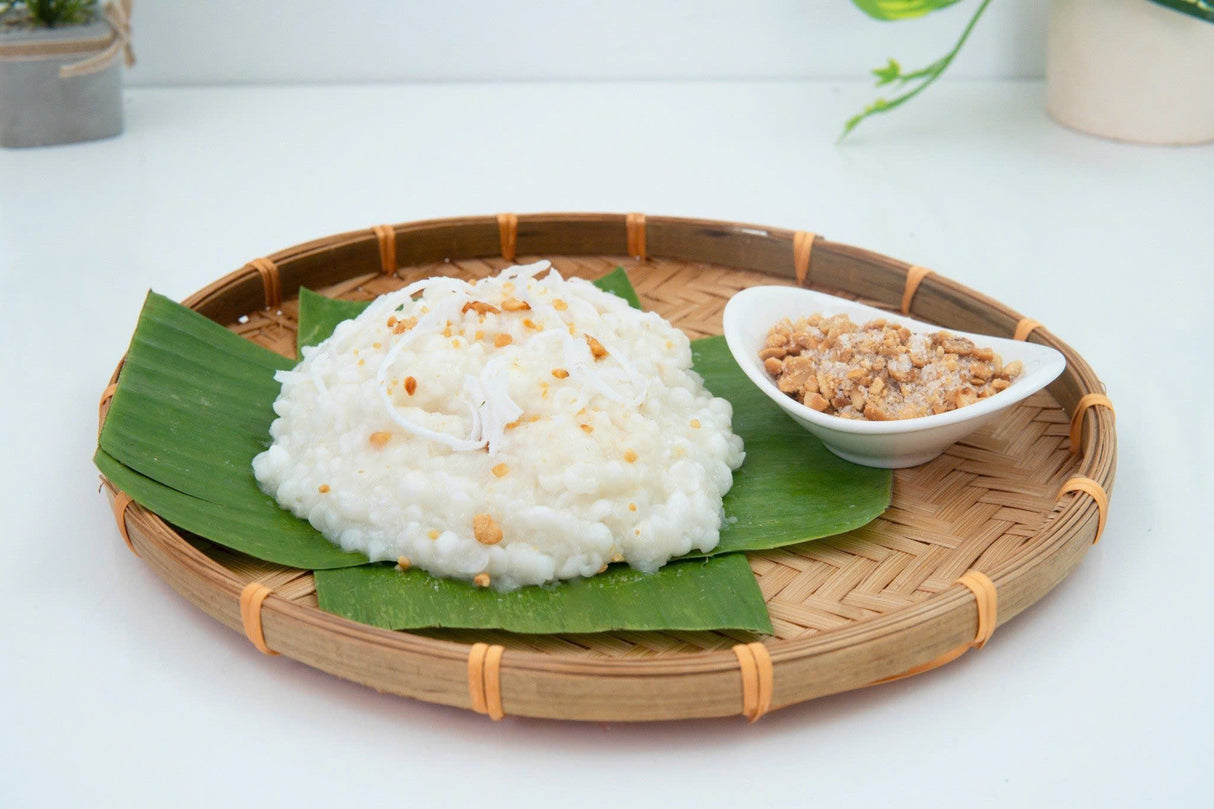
{"points": [[273, 535], [617, 283], [193, 406], [790, 489], [692, 594], [191, 410]]}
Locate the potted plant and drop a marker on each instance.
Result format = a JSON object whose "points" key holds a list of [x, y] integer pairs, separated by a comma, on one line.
{"points": [[1133, 70], [60, 79], [1126, 69]]}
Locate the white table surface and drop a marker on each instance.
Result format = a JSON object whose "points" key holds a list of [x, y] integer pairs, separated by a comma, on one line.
{"points": [[114, 691]]}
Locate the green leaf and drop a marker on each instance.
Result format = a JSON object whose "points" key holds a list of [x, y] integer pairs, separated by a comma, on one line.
{"points": [[890, 73], [319, 316], [617, 283], [888, 10], [718, 593], [790, 488], [1201, 9], [193, 406], [926, 76], [271, 534]]}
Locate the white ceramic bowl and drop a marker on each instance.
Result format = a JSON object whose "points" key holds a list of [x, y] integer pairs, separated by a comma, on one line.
{"points": [[751, 313]]}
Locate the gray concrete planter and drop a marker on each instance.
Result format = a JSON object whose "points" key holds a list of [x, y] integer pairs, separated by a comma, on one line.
{"points": [[38, 107]]}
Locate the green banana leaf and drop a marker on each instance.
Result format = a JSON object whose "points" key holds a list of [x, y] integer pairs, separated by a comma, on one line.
{"points": [[188, 381], [617, 283], [193, 406], [692, 594], [790, 489], [273, 535]]}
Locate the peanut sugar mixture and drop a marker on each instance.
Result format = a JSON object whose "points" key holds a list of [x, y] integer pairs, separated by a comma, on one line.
{"points": [[880, 371]]}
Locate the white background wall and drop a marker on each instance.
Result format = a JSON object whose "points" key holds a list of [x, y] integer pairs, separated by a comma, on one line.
{"points": [[312, 41]]}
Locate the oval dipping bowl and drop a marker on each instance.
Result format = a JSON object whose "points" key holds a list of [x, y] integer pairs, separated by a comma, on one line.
{"points": [[751, 313]]}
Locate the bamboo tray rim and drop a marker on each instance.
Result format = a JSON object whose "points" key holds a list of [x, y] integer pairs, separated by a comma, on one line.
{"points": [[1078, 517]]}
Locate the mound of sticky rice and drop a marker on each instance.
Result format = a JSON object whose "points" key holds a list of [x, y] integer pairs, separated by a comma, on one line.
{"points": [[514, 431]]}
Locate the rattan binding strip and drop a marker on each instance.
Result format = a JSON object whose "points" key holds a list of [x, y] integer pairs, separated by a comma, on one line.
{"points": [[987, 599], [1087, 401], [122, 501], [802, 250], [485, 679], [106, 395], [758, 678], [270, 282], [251, 598], [507, 228], [635, 223], [386, 237], [1094, 490], [1025, 327], [914, 276]]}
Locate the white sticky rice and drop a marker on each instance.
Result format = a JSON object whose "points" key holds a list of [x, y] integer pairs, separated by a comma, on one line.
{"points": [[418, 419]]}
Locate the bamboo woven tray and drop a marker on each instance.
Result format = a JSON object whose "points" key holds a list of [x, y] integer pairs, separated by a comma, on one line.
{"points": [[848, 611]]}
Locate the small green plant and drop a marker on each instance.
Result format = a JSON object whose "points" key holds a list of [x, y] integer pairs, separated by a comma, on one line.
{"points": [[914, 82], [50, 13]]}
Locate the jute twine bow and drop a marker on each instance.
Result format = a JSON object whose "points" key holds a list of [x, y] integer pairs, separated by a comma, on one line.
{"points": [[118, 16]]}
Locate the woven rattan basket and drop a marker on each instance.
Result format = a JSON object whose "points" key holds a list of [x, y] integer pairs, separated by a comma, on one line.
{"points": [[1020, 501]]}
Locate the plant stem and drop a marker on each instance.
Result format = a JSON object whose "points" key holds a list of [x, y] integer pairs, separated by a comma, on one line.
{"points": [[928, 74]]}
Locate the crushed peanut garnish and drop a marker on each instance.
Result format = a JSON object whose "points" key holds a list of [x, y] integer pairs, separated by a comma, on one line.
{"points": [[880, 371], [596, 348], [380, 439], [632, 506], [630, 456], [587, 428], [403, 563], [515, 305], [501, 470], [559, 305], [531, 324], [433, 534], [480, 335], [480, 307], [502, 340], [481, 579], [323, 488], [695, 424], [404, 325], [560, 373], [486, 530], [410, 385]]}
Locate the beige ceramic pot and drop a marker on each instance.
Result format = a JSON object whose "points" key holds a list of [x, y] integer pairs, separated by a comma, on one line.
{"points": [[1131, 70]]}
